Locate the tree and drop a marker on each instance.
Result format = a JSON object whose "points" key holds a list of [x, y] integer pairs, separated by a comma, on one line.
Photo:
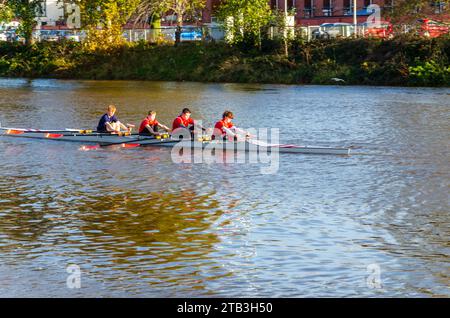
{"points": [[409, 10], [104, 20], [147, 9], [5, 11], [26, 11], [245, 19]]}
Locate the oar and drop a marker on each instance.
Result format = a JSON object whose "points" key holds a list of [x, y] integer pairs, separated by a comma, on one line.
{"points": [[18, 131], [81, 131], [95, 133], [53, 136]]}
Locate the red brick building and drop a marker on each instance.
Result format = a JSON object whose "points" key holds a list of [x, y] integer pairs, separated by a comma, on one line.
{"points": [[316, 12]]}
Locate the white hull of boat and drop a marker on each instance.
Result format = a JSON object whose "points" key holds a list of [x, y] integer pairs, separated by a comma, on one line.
{"points": [[107, 139], [249, 146]]}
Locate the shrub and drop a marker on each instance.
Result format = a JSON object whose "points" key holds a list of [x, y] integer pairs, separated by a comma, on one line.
{"points": [[401, 61]]}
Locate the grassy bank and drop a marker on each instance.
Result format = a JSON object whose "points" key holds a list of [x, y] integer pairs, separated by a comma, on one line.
{"points": [[400, 61]]}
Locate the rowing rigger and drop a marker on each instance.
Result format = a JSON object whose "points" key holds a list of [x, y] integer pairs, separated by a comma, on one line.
{"points": [[106, 139]]}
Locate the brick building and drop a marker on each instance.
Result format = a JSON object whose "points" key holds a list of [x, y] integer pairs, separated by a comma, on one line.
{"points": [[316, 12], [307, 12]]}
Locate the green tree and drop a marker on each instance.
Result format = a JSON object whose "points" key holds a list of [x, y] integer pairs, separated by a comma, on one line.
{"points": [[26, 11], [148, 9], [244, 20], [409, 10], [5, 11], [104, 20]]}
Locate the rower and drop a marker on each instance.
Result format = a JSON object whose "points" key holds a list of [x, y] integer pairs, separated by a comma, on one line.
{"points": [[185, 121], [110, 124], [150, 126], [225, 127]]}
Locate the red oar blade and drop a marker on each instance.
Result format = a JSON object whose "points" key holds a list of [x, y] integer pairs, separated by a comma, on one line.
{"points": [[130, 145], [53, 135], [14, 132]]}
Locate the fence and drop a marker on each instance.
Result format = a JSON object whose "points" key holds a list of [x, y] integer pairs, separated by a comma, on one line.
{"points": [[215, 33], [204, 33]]}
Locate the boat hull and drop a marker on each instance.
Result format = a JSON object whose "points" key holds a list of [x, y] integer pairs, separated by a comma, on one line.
{"points": [[102, 139], [107, 139], [249, 147]]}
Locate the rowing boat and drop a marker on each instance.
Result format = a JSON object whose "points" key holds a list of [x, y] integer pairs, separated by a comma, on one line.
{"points": [[103, 139], [106, 139]]}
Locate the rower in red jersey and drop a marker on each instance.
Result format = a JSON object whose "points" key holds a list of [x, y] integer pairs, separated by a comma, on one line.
{"points": [[225, 127], [184, 120], [150, 125]]}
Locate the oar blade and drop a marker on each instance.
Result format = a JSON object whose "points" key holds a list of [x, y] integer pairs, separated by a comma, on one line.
{"points": [[53, 136], [14, 132], [127, 145]]}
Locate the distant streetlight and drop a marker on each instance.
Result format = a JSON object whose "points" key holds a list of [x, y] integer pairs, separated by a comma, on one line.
{"points": [[355, 16]]}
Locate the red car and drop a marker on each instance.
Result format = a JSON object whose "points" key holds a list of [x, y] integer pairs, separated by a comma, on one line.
{"points": [[433, 29], [384, 30]]}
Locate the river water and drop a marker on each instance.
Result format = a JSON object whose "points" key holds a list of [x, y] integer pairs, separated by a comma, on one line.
{"points": [[135, 224]]}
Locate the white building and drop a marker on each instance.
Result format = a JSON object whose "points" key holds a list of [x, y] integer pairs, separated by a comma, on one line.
{"points": [[56, 13]]}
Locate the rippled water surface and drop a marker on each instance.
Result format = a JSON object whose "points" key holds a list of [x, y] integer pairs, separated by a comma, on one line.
{"points": [[138, 224]]}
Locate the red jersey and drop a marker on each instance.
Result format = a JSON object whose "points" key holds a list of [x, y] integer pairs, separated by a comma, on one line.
{"points": [[145, 122], [220, 125], [181, 122]]}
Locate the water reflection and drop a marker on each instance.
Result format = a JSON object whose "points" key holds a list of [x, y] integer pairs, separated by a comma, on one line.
{"points": [[164, 237], [140, 225]]}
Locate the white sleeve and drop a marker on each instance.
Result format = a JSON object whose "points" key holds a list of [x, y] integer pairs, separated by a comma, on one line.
{"points": [[238, 130], [229, 131]]}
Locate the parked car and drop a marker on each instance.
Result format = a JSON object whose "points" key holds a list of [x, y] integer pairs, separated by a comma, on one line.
{"points": [[383, 30], [191, 35], [331, 30], [50, 36], [72, 37], [188, 35], [433, 29], [11, 36]]}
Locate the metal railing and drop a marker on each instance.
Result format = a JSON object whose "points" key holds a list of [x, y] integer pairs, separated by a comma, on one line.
{"points": [[203, 33], [215, 33], [188, 33]]}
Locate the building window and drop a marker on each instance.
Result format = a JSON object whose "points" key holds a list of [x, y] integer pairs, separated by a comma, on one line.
{"points": [[308, 12], [328, 8], [439, 6], [348, 7], [276, 4], [291, 4], [273, 4], [388, 5], [41, 10]]}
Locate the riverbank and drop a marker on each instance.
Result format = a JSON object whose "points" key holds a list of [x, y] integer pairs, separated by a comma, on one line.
{"points": [[396, 62]]}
